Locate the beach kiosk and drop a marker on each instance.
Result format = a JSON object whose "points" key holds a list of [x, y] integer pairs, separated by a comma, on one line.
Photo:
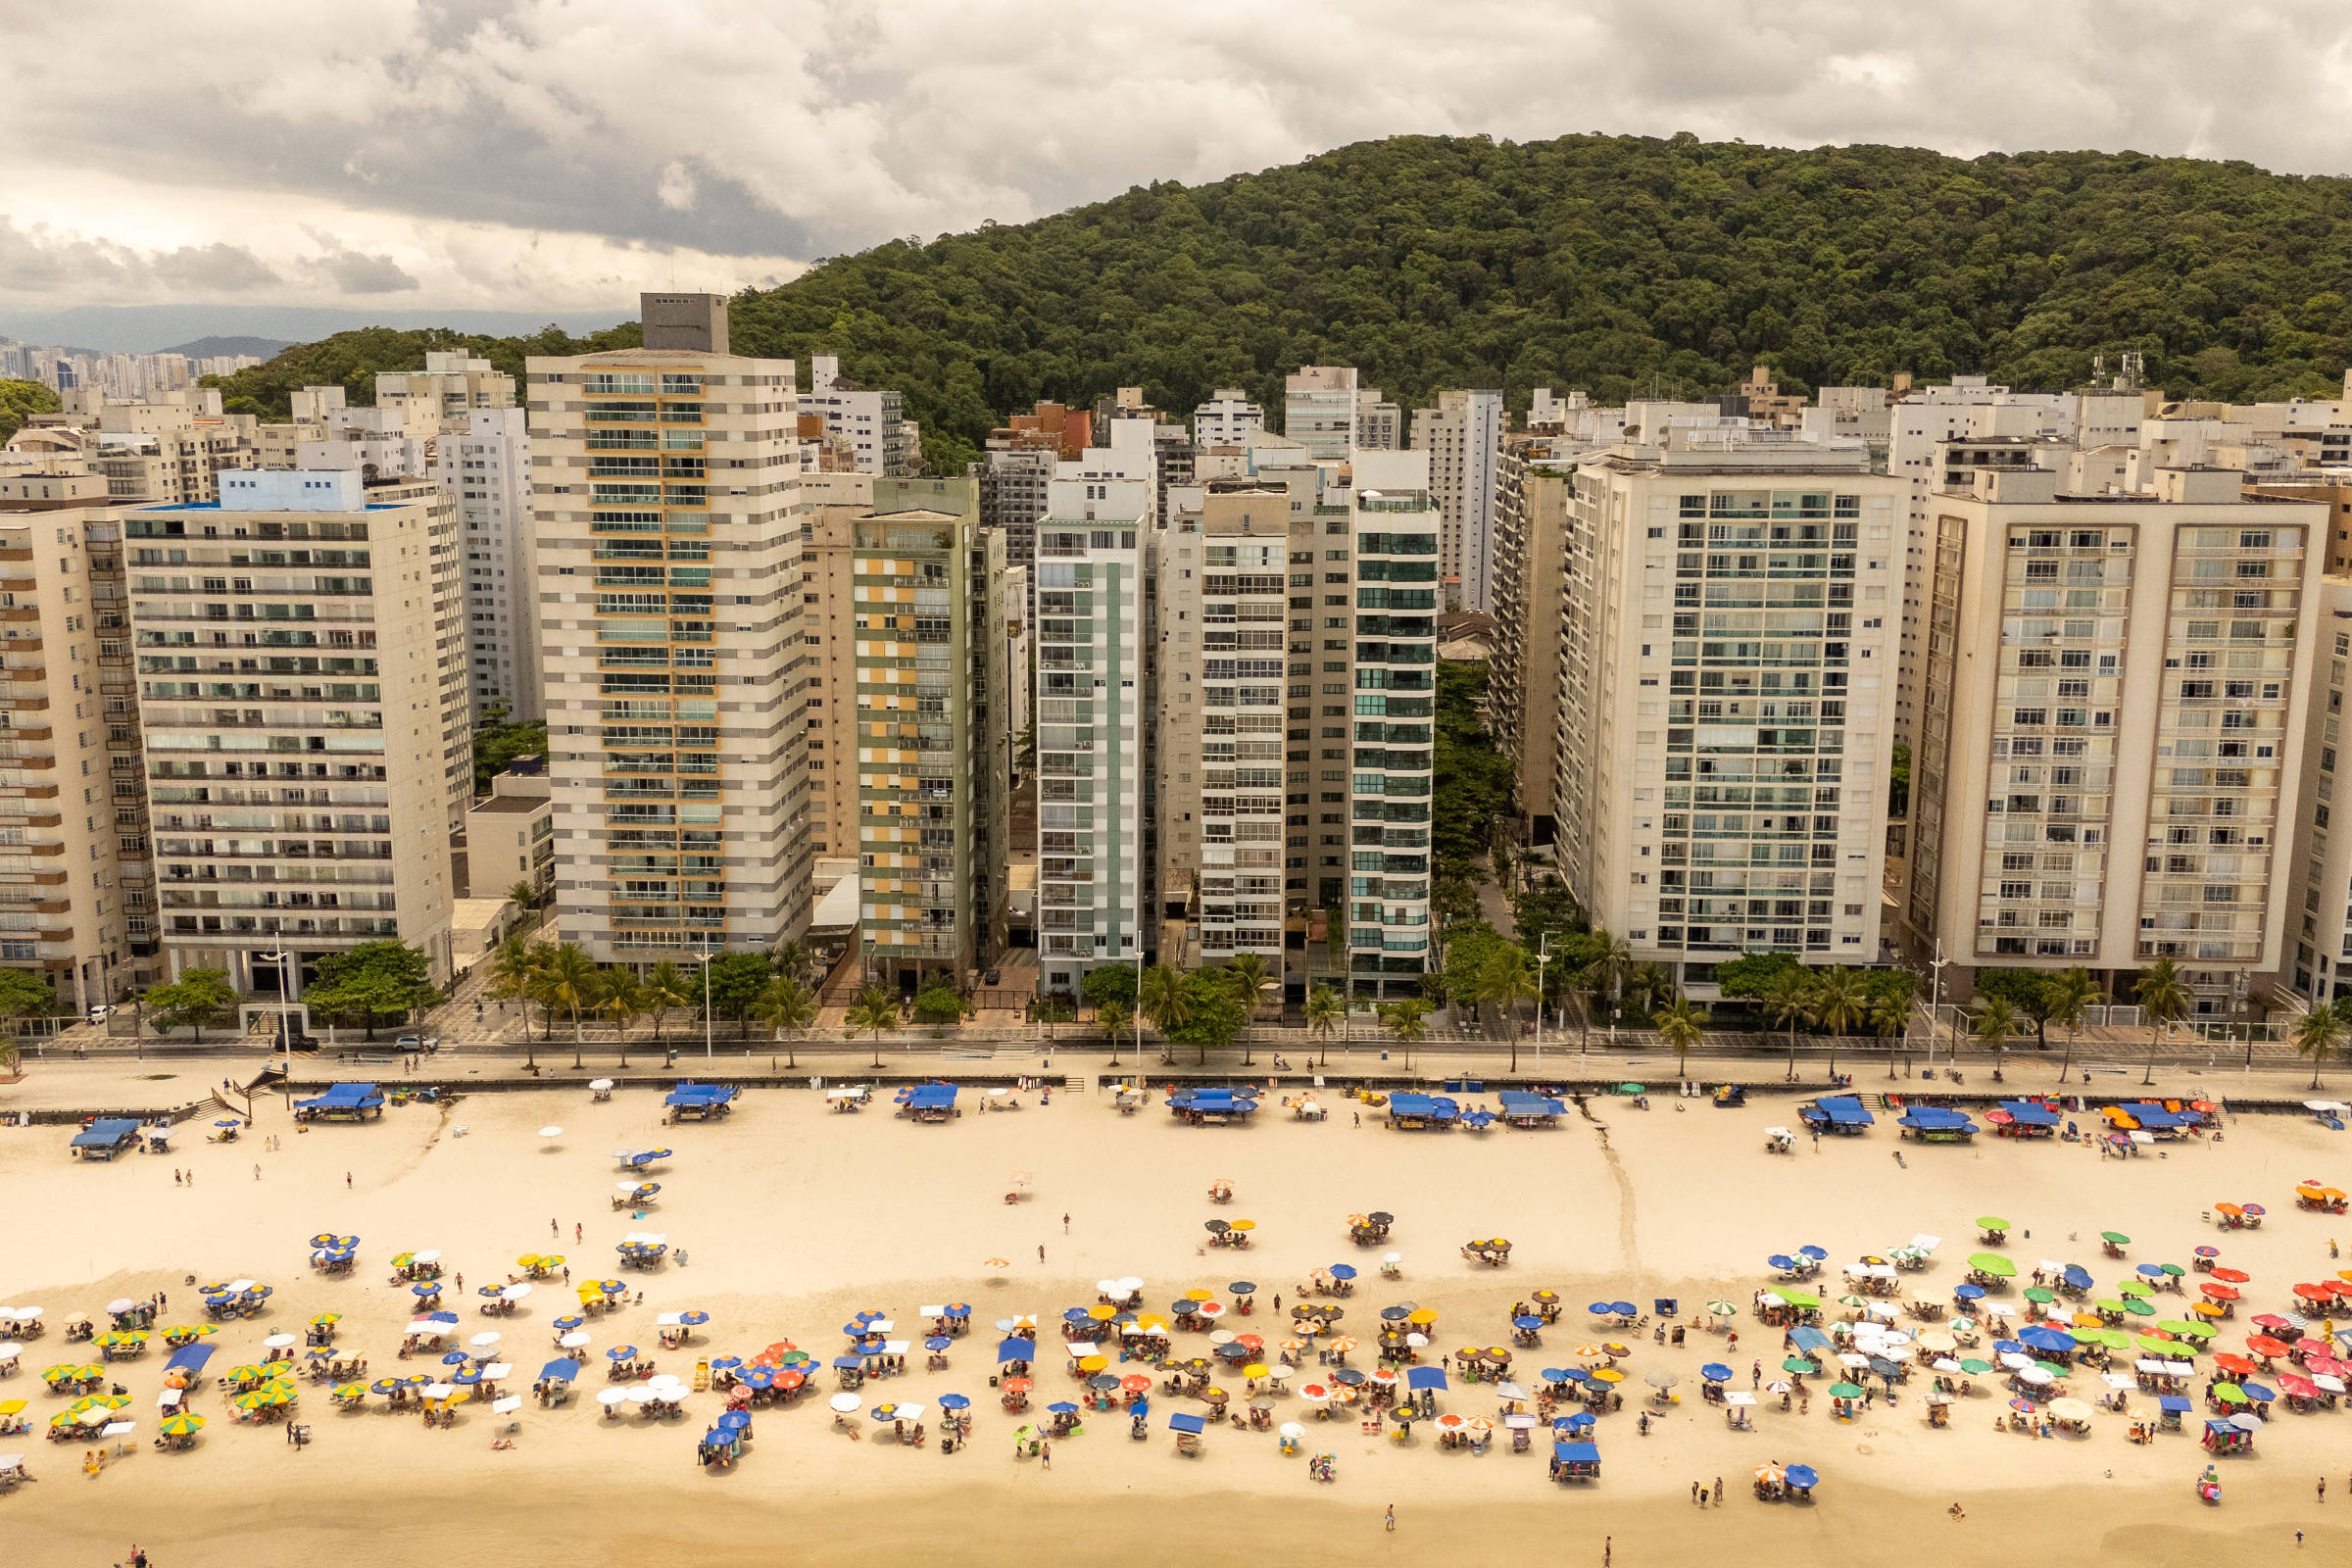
{"points": [[105, 1138], [1575, 1461], [1415, 1112], [691, 1102], [2023, 1118], [1213, 1106], [928, 1101], [1524, 1109], [1842, 1114], [341, 1103], [1936, 1124]]}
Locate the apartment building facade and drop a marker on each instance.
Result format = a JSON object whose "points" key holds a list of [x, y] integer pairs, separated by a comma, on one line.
{"points": [[1727, 654], [1534, 498], [2112, 736], [666, 509], [933, 757], [1096, 749], [1463, 437], [295, 707]]}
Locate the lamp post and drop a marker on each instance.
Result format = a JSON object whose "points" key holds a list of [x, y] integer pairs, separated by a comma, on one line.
{"points": [[1936, 1005], [706, 962], [1542, 958], [284, 960]]}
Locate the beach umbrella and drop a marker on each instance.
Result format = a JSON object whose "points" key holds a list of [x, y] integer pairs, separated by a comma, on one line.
{"points": [[453, 1358], [1715, 1372], [1722, 1310], [1777, 1386], [1772, 1475], [183, 1425], [2114, 1238], [1991, 1222], [1799, 1365], [1661, 1379], [1845, 1391], [1803, 1477]]}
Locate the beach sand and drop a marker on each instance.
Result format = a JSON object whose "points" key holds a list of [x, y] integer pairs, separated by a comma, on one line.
{"points": [[795, 1217]]}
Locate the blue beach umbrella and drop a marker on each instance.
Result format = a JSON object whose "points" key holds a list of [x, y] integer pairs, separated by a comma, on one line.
{"points": [[954, 1402], [938, 1342], [734, 1421], [1715, 1372], [1531, 1323], [453, 1358], [1600, 1310], [1250, 1288], [1803, 1477], [1817, 1255], [1016, 1350], [725, 1363], [1780, 1260], [1342, 1271], [570, 1321], [1061, 1407], [1624, 1308], [693, 1320], [622, 1353]]}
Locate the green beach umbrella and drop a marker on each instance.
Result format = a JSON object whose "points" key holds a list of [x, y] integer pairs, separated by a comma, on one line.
{"points": [[1992, 1264], [2034, 1293], [1991, 1222], [2173, 1270], [2139, 1306], [1851, 1300], [2113, 1339], [1799, 1365], [1804, 1300], [2114, 1238], [180, 1426], [2107, 1303], [2053, 1368], [2229, 1394], [2133, 1287], [2173, 1325], [1975, 1367], [2159, 1347], [1849, 1390]]}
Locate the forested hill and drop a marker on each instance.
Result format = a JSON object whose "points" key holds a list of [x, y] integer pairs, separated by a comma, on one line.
{"points": [[350, 361], [1620, 265]]}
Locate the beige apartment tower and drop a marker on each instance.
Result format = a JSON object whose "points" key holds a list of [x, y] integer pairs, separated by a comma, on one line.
{"points": [[667, 519], [2110, 762]]}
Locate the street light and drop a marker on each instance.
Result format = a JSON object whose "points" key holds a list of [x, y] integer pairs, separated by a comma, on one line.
{"points": [[706, 962], [1543, 957], [285, 996], [1936, 1005]]}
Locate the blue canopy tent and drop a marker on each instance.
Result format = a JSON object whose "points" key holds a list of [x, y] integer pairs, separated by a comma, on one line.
{"points": [[562, 1369], [2154, 1118], [1016, 1350], [2030, 1115], [1198, 1105], [1425, 1377], [189, 1359], [1522, 1108], [104, 1139], [1936, 1124], [1184, 1421], [1409, 1109], [1837, 1113], [341, 1103], [1806, 1339], [928, 1101], [1575, 1461], [691, 1102]]}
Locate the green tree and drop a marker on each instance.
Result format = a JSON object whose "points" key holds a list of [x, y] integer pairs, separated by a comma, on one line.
{"points": [[785, 1005], [625, 999], [373, 982], [1113, 1016], [1404, 1019], [1107, 983], [514, 977], [570, 983], [1163, 1001], [2065, 995], [938, 1004], [197, 997], [1507, 980], [1214, 1013], [2317, 1035], [26, 994], [1840, 1005], [1251, 977], [1682, 1024], [876, 1010], [1996, 1022], [1890, 1017], [1789, 999], [1326, 1010], [667, 988], [736, 980], [523, 895], [496, 745], [2164, 997], [797, 962], [2029, 994], [20, 401]]}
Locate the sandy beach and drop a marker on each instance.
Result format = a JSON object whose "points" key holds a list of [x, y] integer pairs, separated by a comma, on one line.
{"points": [[794, 1218]]}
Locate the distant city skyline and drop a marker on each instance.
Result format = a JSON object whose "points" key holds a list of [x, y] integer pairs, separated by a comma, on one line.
{"points": [[152, 329], [528, 154]]}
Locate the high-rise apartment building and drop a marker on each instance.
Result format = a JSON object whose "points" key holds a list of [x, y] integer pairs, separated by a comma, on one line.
{"points": [[667, 515], [1463, 437], [932, 756], [483, 463], [1095, 746], [2110, 762], [2320, 905], [296, 705], [1319, 409], [1534, 497], [1727, 650], [1378, 424], [829, 616], [450, 388]]}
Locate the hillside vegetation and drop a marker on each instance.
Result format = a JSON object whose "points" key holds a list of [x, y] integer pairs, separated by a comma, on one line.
{"points": [[1620, 265]]}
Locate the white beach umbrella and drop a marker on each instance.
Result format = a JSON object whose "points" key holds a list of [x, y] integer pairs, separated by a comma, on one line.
{"points": [[429, 1256], [612, 1395], [845, 1403], [484, 1340], [551, 1132], [644, 1393], [498, 1369], [574, 1341], [277, 1342], [600, 1083], [506, 1405]]}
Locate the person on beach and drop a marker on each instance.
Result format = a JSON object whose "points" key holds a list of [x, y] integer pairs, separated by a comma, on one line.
{"points": [[1719, 1492], [1957, 1512], [1391, 1519], [1065, 1224], [552, 1229], [1041, 1251]]}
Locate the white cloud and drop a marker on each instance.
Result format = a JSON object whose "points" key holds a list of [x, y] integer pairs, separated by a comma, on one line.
{"points": [[527, 153]]}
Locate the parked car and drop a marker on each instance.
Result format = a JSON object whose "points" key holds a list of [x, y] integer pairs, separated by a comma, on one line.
{"points": [[99, 1011], [419, 1043]]}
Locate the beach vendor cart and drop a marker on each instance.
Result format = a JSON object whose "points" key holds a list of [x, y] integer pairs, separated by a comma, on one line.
{"points": [[2233, 1434], [1189, 1429]]}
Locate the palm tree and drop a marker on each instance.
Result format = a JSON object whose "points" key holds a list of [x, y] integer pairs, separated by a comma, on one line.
{"points": [[1325, 1012], [2065, 994], [1251, 977], [624, 1001], [512, 974], [876, 1010], [1648, 987], [1996, 1022], [1789, 999], [1161, 1000], [795, 962], [785, 1003], [1113, 1016], [1404, 1019], [666, 987], [1588, 984], [1889, 1015], [1840, 1004], [2161, 992], [1613, 960], [2317, 1037], [570, 982], [1682, 1024], [1507, 980]]}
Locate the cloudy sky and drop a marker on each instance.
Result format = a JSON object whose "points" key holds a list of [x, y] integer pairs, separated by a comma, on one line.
{"points": [[557, 155]]}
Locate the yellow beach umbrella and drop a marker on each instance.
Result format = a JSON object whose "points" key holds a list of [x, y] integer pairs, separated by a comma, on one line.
{"points": [[1423, 1318], [1101, 1311], [529, 1260], [1607, 1374], [326, 1320], [1200, 1295], [1256, 1369], [1245, 1224], [1093, 1364], [351, 1390]]}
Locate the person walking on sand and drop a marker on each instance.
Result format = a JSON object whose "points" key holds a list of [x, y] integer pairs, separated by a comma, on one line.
{"points": [[257, 1173], [346, 1181], [1041, 1251], [1608, 1545], [1065, 1224], [2323, 1489], [1719, 1492], [579, 1232], [1045, 1454], [552, 1229], [1391, 1519]]}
